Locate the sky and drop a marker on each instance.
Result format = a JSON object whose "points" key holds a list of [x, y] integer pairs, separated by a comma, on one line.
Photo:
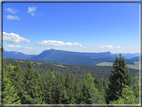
{"points": [[31, 28]]}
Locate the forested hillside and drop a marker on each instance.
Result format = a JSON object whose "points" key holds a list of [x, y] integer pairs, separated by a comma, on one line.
{"points": [[77, 71], [29, 87]]}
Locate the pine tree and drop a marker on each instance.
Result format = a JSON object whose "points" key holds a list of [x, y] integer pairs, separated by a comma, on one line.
{"points": [[104, 85], [49, 85], [11, 74], [32, 93], [77, 90], [119, 75], [16, 77], [72, 98], [9, 92], [129, 95], [102, 93], [97, 82], [89, 94], [38, 89], [60, 91], [69, 88], [45, 89], [57, 90]]}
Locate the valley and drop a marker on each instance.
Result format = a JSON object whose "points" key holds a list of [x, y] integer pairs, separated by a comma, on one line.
{"points": [[102, 71]]}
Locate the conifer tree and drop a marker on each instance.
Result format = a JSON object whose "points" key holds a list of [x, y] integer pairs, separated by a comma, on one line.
{"points": [[104, 85], [89, 94], [119, 75], [50, 95], [102, 93], [38, 89], [63, 92], [9, 92], [16, 77], [60, 91], [32, 94], [57, 90], [45, 89], [69, 88], [11, 74], [77, 90], [72, 97], [97, 82], [129, 95]]}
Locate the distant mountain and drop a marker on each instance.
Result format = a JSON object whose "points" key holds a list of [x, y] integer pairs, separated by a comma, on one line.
{"points": [[68, 57], [16, 55], [77, 58], [130, 55], [56, 54], [136, 58]]}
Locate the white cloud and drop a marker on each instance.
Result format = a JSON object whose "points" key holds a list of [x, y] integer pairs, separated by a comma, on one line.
{"points": [[13, 11], [28, 48], [80, 45], [32, 10], [10, 17], [106, 46], [12, 46], [84, 47], [56, 43], [118, 47], [14, 38]]}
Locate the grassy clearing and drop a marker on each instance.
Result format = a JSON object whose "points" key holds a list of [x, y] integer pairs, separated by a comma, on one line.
{"points": [[61, 65], [105, 64], [135, 66]]}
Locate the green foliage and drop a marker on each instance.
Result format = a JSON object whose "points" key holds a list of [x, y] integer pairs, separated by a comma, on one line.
{"points": [[102, 92], [29, 86], [16, 76], [89, 94], [60, 91], [77, 90], [129, 95], [33, 87], [97, 82], [119, 75], [77, 71], [50, 88], [9, 92], [70, 89]]}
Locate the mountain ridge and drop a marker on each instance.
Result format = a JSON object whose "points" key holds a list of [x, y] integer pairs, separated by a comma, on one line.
{"points": [[68, 57], [60, 53]]}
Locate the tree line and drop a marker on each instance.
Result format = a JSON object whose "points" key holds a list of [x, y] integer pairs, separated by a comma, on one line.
{"points": [[30, 88], [102, 72]]}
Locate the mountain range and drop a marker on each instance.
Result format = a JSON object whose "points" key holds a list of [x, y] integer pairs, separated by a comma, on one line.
{"points": [[16, 55], [75, 58]]}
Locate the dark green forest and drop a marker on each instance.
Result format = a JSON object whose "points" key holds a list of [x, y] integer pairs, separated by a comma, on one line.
{"points": [[26, 82], [44, 68]]}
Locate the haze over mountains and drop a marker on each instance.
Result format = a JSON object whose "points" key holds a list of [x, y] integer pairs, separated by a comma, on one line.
{"points": [[16, 55], [75, 58]]}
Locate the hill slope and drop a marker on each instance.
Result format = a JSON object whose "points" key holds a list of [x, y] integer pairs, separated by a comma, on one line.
{"points": [[77, 71], [16, 55], [68, 57]]}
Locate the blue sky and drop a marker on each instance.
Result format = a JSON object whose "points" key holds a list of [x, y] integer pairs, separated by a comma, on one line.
{"points": [[31, 28]]}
